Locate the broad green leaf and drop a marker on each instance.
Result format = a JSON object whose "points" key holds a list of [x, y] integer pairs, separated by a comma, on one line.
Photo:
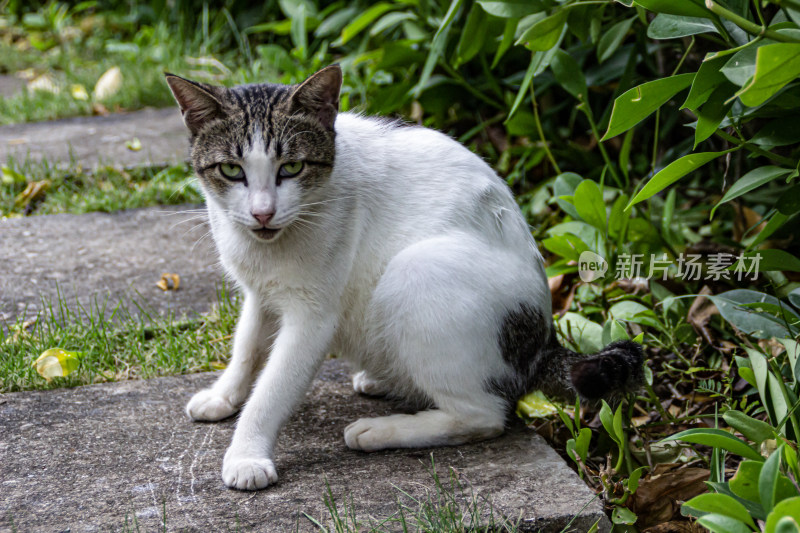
{"points": [[666, 26], [607, 419], [756, 430], [363, 20], [472, 36], [612, 39], [614, 330], [747, 320], [709, 76], [536, 405], [772, 259], [631, 311], [582, 443], [717, 523], [623, 515], [741, 67], [752, 180], [437, 46], [588, 335], [56, 363], [589, 204], [618, 216], [776, 65], [334, 23], [777, 399], [716, 438], [713, 111], [793, 354], [685, 8], [760, 372], [744, 482], [565, 185], [569, 74], [723, 504], [509, 31], [638, 103], [779, 132], [768, 479], [672, 173], [785, 515], [511, 8], [566, 245], [544, 35]]}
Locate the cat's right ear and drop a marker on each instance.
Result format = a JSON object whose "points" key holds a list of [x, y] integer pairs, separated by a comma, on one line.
{"points": [[197, 101]]}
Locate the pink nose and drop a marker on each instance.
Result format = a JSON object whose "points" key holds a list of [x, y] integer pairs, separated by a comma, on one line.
{"points": [[263, 218]]}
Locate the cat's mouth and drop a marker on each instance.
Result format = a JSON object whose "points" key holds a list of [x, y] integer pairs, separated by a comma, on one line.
{"points": [[266, 234]]}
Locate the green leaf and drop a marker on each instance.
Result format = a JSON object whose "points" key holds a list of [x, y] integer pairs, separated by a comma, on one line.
{"points": [[509, 30], [713, 111], [334, 23], [787, 509], [752, 180], [768, 479], [623, 515], [390, 20], [437, 47], [717, 504], [362, 21], [748, 321], [589, 204], [672, 173], [567, 246], [511, 8], [612, 39], [569, 75], [565, 185], [56, 363], [588, 335], [741, 67], [544, 35], [776, 65], [744, 482], [472, 36], [773, 259], [666, 26], [685, 8], [638, 103], [607, 419], [755, 430], [779, 132], [716, 438], [717, 523], [631, 311], [709, 76], [618, 216], [582, 443]]}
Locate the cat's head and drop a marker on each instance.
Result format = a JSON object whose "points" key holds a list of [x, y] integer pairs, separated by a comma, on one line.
{"points": [[264, 151]]}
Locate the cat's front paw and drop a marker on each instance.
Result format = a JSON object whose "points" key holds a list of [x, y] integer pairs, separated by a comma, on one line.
{"points": [[210, 406], [369, 434], [248, 473]]}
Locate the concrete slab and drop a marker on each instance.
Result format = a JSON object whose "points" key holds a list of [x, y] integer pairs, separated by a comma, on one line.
{"points": [[117, 256], [93, 141], [83, 459]]}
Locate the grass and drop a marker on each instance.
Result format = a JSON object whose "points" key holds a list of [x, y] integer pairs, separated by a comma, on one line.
{"points": [[115, 345], [105, 189]]}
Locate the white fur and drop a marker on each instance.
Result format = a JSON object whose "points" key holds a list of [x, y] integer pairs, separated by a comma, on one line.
{"points": [[405, 263]]}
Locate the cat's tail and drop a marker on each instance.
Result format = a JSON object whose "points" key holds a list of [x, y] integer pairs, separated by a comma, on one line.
{"points": [[607, 375]]}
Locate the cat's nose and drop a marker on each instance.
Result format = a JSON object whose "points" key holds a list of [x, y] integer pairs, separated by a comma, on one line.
{"points": [[264, 218]]}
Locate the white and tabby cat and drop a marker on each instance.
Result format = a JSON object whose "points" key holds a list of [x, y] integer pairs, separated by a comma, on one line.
{"points": [[392, 246]]}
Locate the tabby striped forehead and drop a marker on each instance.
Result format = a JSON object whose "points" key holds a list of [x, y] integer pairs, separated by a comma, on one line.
{"points": [[261, 109]]}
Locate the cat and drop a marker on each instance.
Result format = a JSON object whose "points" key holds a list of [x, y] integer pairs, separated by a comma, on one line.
{"points": [[389, 244]]}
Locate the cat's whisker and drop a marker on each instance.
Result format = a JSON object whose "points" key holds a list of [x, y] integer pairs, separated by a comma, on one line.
{"points": [[298, 133]]}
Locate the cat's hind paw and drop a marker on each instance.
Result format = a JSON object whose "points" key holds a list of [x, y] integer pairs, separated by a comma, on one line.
{"points": [[210, 406], [363, 384], [248, 473]]}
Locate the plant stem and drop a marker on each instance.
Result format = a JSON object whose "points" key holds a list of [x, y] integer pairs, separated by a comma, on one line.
{"points": [[584, 106], [750, 27], [541, 131], [755, 149], [793, 4], [464, 83]]}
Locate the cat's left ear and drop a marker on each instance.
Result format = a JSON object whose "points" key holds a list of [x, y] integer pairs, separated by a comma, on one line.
{"points": [[319, 94], [199, 102]]}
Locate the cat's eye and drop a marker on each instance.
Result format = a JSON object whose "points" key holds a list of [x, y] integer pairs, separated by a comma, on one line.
{"points": [[232, 172], [289, 170]]}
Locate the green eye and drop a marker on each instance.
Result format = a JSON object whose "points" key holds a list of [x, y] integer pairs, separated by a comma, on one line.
{"points": [[233, 172], [289, 170]]}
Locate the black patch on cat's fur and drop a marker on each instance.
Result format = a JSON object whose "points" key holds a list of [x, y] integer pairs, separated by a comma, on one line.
{"points": [[529, 345]]}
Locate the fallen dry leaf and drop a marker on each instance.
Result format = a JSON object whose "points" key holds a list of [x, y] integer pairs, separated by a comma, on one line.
{"points": [[43, 83], [168, 282], [660, 494], [134, 145], [700, 314], [78, 92]]}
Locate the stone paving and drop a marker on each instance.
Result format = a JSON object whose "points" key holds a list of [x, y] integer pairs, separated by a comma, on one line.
{"points": [[84, 459], [102, 259], [99, 141]]}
